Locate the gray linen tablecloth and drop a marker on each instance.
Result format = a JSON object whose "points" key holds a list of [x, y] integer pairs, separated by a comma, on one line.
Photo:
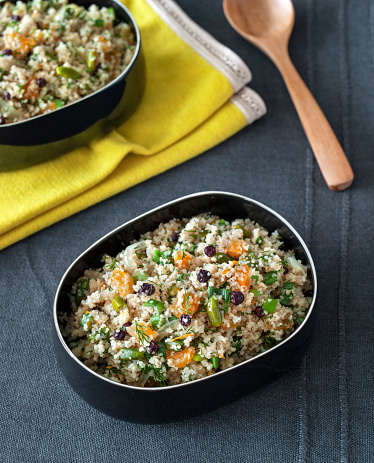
{"points": [[320, 412]]}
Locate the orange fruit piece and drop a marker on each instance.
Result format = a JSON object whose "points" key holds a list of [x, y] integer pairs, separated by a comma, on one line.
{"points": [[190, 304], [236, 248], [182, 259], [228, 323], [122, 282], [241, 276], [146, 332], [180, 359]]}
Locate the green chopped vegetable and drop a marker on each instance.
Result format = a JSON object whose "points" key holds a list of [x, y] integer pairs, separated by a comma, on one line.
{"points": [[270, 277], [162, 349], [69, 12], [224, 292], [270, 305], [82, 288], [260, 240], [59, 104], [288, 284], [269, 340], [237, 345], [175, 345], [198, 358], [213, 312], [140, 276], [215, 361], [222, 222], [301, 319], [158, 255], [50, 55], [69, 73], [91, 59], [222, 258], [203, 233], [246, 233], [117, 303], [286, 295], [155, 304], [254, 277], [155, 318], [111, 12], [256, 292], [87, 320], [173, 290], [130, 354], [99, 23]]}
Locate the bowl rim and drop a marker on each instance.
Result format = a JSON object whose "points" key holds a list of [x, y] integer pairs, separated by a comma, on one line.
{"points": [[123, 74], [155, 210]]}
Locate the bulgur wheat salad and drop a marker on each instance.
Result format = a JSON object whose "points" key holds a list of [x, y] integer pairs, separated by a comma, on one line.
{"points": [[53, 53], [191, 298]]}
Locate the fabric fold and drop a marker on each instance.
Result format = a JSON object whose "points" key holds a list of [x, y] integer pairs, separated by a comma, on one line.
{"points": [[194, 99]]}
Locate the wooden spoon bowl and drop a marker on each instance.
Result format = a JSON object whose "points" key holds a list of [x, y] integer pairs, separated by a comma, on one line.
{"points": [[268, 24]]}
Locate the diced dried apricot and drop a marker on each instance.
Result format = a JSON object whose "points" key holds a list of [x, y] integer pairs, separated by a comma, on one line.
{"points": [[241, 276], [182, 259], [31, 91], [236, 248], [180, 359], [281, 324], [122, 282], [228, 323], [190, 304], [18, 43]]}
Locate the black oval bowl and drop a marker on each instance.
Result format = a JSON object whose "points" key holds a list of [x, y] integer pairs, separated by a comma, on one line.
{"points": [[49, 135], [172, 403]]}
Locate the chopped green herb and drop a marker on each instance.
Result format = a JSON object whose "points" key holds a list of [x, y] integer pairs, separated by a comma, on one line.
{"points": [[260, 240], [87, 320], [270, 277], [99, 23], [215, 361]]}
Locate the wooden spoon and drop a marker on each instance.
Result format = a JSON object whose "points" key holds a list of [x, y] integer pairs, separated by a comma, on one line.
{"points": [[268, 24]]}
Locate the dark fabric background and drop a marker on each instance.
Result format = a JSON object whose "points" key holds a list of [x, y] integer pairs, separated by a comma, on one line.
{"points": [[321, 412]]}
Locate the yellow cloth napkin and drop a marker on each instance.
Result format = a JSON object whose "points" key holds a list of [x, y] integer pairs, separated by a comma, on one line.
{"points": [[188, 106]]}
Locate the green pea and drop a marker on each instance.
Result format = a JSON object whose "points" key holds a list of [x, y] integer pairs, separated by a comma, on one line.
{"points": [[131, 354], [140, 276], [222, 258], [82, 288], [198, 358], [175, 345], [91, 59], [214, 314], [87, 320], [246, 233], [215, 361], [69, 73], [117, 303]]}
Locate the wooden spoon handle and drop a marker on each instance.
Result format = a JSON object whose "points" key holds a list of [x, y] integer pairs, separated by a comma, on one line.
{"points": [[330, 156]]}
